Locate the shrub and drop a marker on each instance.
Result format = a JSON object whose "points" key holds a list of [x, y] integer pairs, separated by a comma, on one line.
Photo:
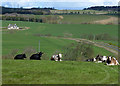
{"points": [[29, 51], [78, 52], [11, 55]]}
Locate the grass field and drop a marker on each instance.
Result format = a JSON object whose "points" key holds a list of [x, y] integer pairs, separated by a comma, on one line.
{"points": [[71, 19], [77, 19], [48, 72], [61, 29], [26, 38]]}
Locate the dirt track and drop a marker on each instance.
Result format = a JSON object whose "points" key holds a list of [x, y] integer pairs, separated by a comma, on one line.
{"points": [[98, 44]]}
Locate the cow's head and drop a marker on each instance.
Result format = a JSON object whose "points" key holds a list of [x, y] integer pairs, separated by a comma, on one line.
{"points": [[40, 53], [60, 55]]}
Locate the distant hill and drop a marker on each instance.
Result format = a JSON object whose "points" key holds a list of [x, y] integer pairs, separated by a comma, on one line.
{"points": [[36, 11], [104, 8]]}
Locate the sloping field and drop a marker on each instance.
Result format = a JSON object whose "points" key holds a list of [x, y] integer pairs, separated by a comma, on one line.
{"points": [[76, 30], [78, 19], [29, 38], [50, 72]]}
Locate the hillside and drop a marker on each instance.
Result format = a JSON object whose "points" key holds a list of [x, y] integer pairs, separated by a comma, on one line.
{"points": [[24, 39], [50, 72]]}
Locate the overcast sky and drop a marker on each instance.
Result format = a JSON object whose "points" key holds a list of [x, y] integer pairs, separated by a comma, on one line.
{"points": [[59, 4]]}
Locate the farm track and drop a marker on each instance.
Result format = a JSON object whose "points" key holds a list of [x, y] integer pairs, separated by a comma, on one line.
{"points": [[108, 47], [111, 48]]}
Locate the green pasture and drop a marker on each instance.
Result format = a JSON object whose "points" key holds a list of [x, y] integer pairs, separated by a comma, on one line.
{"points": [[72, 30], [77, 19], [50, 72], [71, 19], [22, 39]]}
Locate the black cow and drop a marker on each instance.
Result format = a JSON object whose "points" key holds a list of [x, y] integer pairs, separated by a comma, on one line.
{"points": [[20, 56], [36, 56]]}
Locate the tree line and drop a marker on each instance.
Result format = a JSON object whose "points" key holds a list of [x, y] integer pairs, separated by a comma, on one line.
{"points": [[35, 11], [46, 19], [104, 8]]}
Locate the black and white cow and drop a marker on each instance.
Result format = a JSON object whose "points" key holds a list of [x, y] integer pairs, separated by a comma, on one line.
{"points": [[36, 56], [112, 61], [20, 56], [56, 57], [100, 59]]}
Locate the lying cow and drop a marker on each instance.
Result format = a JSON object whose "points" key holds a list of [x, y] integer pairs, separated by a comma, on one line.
{"points": [[112, 61], [36, 56], [100, 59], [56, 57], [20, 56]]}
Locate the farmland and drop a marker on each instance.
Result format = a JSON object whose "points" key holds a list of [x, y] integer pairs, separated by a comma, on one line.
{"points": [[30, 37], [66, 72], [51, 38], [63, 19]]}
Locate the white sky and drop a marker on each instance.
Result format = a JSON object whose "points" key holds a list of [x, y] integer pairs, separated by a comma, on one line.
{"points": [[59, 3]]}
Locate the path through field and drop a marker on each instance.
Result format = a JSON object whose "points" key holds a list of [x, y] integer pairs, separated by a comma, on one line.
{"points": [[111, 48], [113, 20]]}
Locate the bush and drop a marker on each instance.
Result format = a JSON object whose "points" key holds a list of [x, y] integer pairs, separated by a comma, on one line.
{"points": [[78, 52], [29, 51], [11, 55]]}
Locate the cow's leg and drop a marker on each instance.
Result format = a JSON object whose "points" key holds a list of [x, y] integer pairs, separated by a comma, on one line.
{"points": [[60, 60]]}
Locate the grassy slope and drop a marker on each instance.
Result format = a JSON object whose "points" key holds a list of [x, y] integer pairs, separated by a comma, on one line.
{"points": [[77, 19], [47, 72], [61, 29], [22, 39], [50, 72], [74, 19]]}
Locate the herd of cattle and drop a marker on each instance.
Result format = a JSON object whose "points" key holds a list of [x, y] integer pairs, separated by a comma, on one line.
{"points": [[37, 56], [109, 60]]}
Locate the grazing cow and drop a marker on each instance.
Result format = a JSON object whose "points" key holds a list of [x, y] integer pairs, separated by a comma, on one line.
{"points": [[56, 57], [112, 61], [36, 56], [20, 56]]}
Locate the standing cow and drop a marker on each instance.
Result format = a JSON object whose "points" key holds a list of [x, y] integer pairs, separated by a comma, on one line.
{"points": [[36, 56], [20, 56]]}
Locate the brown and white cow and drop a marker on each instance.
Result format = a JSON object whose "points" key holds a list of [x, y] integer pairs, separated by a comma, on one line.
{"points": [[56, 57], [112, 61]]}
